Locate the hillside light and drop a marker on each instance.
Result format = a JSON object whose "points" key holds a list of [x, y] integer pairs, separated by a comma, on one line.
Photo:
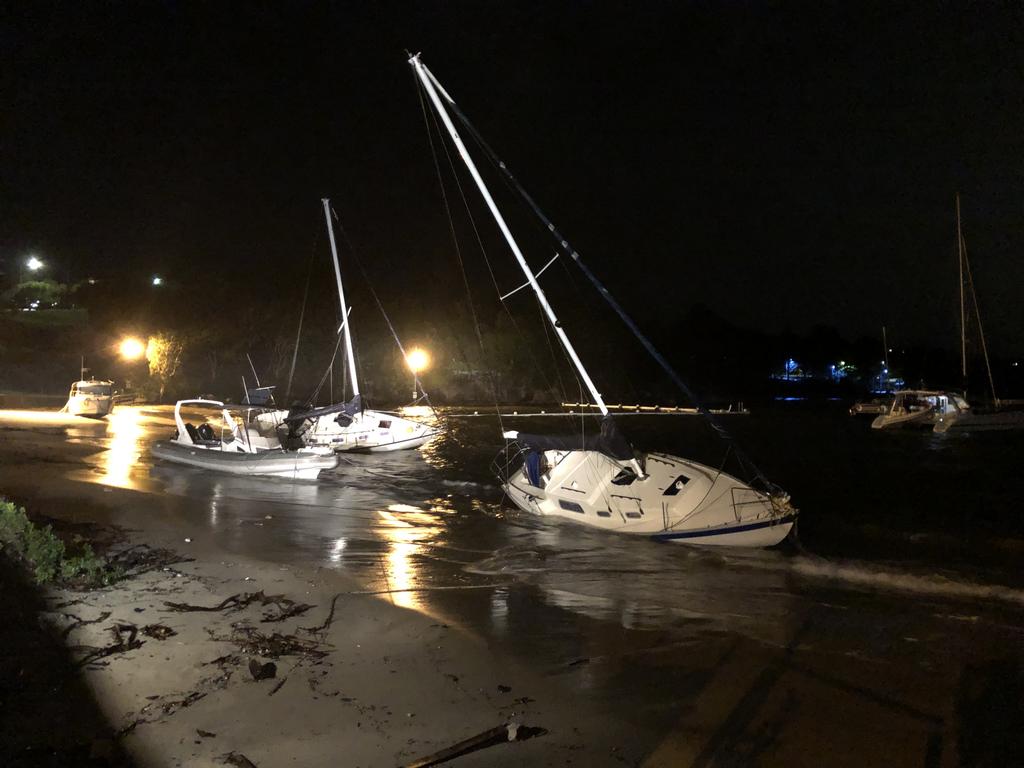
{"points": [[157, 280], [34, 264]]}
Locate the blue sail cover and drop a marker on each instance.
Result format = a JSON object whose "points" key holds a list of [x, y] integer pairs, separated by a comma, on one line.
{"points": [[346, 412], [609, 441]]}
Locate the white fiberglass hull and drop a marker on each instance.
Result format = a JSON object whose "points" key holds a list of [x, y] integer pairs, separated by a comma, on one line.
{"points": [[271, 463], [678, 500], [89, 406], [370, 431], [914, 419]]}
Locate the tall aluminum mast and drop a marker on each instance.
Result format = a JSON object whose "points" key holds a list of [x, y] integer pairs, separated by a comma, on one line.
{"points": [[341, 299], [429, 81], [963, 327]]}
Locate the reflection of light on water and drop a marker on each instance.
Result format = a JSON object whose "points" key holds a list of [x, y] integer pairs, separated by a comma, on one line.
{"points": [[405, 527], [421, 412], [402, 574], [124, 430], [55, 418], [337, 549], [499, 610]]}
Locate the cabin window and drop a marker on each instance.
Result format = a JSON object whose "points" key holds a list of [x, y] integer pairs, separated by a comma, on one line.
{"points": [[570, 506], [603, 513], [633, 515], [677, 485], [384, 424], [94, 389]]}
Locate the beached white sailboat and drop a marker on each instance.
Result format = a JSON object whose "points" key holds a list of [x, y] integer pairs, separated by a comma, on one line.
{"points": [[233, 441], [350, 426], [600, 480]]}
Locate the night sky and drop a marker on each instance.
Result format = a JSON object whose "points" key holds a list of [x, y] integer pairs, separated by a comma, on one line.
{"points": [[784, 164]]}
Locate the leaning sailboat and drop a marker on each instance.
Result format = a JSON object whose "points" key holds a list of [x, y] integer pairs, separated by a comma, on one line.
{"points": [[350, 426], [601, 480]]}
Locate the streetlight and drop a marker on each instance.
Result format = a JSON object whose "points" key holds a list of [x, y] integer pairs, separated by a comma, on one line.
{"points": [[131, 348], [157, 280], [34, 264], [418, 360]]}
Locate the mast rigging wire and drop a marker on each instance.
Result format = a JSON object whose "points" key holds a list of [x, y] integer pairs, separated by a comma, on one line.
{"points": [[458, 251], [302, 314], [380, 305], [612, 302]]}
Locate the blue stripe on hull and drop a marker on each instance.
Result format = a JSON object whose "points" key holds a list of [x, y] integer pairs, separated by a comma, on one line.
{"points": [[722, 531]]}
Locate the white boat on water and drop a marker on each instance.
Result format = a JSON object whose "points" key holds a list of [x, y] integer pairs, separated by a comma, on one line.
{"points": [[236, 443], [933, 409], [944, 411], [600, 480], [350, 426], [92, 398]]}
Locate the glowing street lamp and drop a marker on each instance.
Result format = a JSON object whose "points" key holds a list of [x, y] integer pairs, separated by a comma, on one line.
{"points": [[157, 280], [418, 360], [34, 264], [131, 348]]}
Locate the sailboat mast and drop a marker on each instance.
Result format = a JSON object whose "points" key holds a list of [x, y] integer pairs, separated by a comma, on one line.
{"points": [[885, 350], [341, 299], [427, 79], [963, 330]]}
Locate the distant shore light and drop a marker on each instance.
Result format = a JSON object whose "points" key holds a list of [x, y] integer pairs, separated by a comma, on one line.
{"points": [[157, 280], [34, 264]]}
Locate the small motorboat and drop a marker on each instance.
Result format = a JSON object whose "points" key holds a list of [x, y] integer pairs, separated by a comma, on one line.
{"points": [[91, 398], [237, 443]]}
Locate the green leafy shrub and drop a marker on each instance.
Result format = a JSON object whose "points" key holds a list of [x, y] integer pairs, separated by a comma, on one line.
{"points": [[38, 547], [46, 555]]}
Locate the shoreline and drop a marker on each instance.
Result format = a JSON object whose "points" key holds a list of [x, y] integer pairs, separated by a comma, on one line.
{"points": [[378, 683]]}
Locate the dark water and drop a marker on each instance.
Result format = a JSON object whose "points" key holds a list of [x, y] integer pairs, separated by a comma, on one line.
{"points": [[900, 512], [903, 510]]}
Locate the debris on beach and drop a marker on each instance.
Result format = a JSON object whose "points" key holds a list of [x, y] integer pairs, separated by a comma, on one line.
{"points": [[158, 631], [125, 639], [273, 646], [141, 558], [286, 608], [238, 760], [500, 734], [78, 621], [262, 671]]}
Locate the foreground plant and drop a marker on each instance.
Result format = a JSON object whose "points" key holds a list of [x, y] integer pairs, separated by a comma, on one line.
{"points": [[46, 555]]}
